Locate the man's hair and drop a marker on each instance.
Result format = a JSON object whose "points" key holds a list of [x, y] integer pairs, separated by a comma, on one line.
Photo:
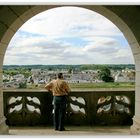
{"points": [[60, 75]]}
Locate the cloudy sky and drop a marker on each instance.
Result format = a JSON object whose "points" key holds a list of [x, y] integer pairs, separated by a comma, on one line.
{"points": [[68, 35]]}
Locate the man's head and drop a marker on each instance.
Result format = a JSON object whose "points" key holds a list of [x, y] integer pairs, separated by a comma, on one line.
{"points": [[60, 75]]}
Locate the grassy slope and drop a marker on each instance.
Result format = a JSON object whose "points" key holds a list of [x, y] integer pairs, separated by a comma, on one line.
{"points": [[101, 85], [91, 86]]}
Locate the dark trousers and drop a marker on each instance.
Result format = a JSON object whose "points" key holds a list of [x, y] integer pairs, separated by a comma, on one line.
{"points": [[59, 103]]}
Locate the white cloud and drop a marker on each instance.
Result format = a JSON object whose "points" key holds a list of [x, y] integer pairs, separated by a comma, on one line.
{"points": [[67, 20], [53, 37]]}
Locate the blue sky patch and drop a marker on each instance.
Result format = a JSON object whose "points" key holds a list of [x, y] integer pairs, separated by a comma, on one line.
{"points": [[122, 41], [74, 41], [82, 27], [29, 34]]}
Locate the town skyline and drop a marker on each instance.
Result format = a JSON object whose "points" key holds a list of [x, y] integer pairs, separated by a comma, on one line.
{"points": [[31, 75]]}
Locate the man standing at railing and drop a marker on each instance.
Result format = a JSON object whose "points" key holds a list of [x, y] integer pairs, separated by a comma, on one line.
{"points": [[60, 90]]}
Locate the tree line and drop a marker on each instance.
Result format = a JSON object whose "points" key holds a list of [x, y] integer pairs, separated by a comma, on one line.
{"points": [[63, 66]]}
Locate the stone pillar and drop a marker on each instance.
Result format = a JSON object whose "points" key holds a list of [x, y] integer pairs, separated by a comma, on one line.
{"points": [[135, 128], [3, 127]]}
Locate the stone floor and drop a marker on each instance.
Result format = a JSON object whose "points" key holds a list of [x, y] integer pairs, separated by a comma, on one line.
{"points": [[71, 131]]}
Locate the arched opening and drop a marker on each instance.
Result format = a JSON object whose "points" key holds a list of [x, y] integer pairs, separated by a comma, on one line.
{"points": [[81, 34], [104, 11]]}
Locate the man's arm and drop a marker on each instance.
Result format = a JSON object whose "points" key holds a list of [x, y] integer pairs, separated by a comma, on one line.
{"points": [[67, 88], [48, 86]]}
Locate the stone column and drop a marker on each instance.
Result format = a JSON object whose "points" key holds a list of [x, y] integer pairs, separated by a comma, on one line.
{"points": [[3, 127], [135, 128]]}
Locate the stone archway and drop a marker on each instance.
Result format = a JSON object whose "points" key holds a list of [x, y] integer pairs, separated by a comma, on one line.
{"points": [[115, 14]]}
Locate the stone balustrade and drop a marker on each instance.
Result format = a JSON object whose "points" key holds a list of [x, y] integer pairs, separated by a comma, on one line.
{"points": [[100, 107]]}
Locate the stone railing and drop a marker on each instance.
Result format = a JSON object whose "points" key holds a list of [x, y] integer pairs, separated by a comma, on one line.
{"points": [[104, 107]]}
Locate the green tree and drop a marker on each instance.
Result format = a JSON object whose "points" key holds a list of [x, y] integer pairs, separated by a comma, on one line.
{"points": [[22, 85], [5, 80], [105, 74], [26, 74], [70, 70]]}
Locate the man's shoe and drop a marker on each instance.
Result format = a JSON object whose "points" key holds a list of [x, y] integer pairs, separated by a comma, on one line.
{"points": [[62, 129]]}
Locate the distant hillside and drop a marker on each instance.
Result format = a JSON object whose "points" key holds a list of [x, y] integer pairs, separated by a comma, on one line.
{"points": [[79, 67]]}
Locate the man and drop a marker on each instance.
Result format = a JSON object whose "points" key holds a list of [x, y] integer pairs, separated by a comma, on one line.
{"points": [[60, 90]]}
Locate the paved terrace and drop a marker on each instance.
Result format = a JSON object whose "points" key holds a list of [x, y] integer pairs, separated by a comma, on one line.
{"points": [[72, 131]]}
